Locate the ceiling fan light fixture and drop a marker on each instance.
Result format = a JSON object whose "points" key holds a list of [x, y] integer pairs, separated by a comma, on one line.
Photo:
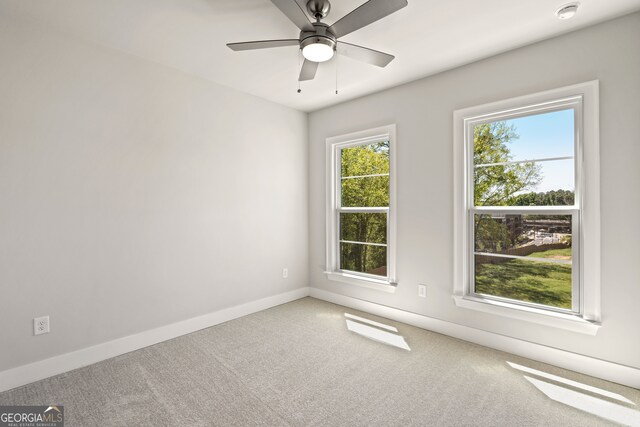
{"points": [[318, 49]]}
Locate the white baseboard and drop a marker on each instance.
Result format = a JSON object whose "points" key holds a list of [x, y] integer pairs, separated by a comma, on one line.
{"points": [[598, 368], [26, 374]]}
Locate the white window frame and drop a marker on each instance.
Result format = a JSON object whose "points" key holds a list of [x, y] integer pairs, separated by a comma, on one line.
{"points": [[333, 147], [585, 316]]}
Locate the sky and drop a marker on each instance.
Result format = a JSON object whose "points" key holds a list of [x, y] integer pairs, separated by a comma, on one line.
{"points": [[547, 135]]}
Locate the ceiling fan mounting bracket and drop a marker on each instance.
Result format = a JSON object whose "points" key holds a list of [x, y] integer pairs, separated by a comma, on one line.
{"points": [[319, 9]]}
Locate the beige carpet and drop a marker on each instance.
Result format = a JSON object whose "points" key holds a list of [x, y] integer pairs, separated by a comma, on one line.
{"points": [[302, 364]]}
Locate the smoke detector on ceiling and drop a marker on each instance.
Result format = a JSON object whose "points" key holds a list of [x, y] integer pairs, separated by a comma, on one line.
{"points": [[567, 11]]}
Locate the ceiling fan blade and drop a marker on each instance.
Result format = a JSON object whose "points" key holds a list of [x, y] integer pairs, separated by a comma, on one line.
{"points": [[308, 71], [263, 44], [294, 12], [364, 54], [366, 14]]}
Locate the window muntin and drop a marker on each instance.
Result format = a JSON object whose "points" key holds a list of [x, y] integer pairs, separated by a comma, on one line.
{"points": [[360, 233], [524, 208]]}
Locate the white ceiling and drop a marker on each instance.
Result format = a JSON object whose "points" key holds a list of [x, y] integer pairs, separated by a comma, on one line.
{"points": [[426, 37]]}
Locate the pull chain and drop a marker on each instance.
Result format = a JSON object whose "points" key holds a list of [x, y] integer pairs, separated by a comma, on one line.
{"points": [[299, 65], [299, 56], [336, 60]]}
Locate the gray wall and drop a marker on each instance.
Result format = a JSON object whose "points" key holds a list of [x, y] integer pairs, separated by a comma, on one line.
{"points": [[133, 196], [423, 113]]}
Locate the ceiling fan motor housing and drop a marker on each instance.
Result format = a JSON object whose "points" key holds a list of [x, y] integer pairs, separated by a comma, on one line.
{"points": [[321, 35]]}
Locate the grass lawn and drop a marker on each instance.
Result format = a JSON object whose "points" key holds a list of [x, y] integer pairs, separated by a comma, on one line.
{"points": [[537, 282], [564, 253]]}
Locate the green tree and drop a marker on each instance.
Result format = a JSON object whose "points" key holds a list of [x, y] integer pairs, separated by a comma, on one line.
{"points": [[550, 198], [363, 160], [358, 189], [496, 185], [492, 234]]}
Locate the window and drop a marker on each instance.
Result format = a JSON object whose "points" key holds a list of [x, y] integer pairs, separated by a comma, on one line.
{"points": [[526, 205], [360, 208]]}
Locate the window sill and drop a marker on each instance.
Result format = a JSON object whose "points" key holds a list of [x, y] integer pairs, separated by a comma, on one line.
{"points": [[379, 285], [568, 322]]}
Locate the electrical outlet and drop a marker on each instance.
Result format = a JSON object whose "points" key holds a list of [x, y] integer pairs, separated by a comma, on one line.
{"points": [[285, 273], [41, 325], [422, 291]]}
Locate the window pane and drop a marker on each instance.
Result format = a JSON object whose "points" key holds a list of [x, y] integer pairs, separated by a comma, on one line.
{"points": [[363, 227], [369, 159], [500, 176], [531, 137], [534, 239], [523, 280], [363, 258], [500, 186], [541, 236], [365, 192]]}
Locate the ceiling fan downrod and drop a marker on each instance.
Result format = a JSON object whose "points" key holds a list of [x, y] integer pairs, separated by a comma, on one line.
{"points": [[319, 8]]}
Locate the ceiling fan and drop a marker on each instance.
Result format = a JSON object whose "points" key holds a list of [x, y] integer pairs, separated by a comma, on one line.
{"points": [[319, 41]]}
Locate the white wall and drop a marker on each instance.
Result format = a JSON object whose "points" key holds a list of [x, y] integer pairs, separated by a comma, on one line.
{"points": [[133, 195], [423, 112]]}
